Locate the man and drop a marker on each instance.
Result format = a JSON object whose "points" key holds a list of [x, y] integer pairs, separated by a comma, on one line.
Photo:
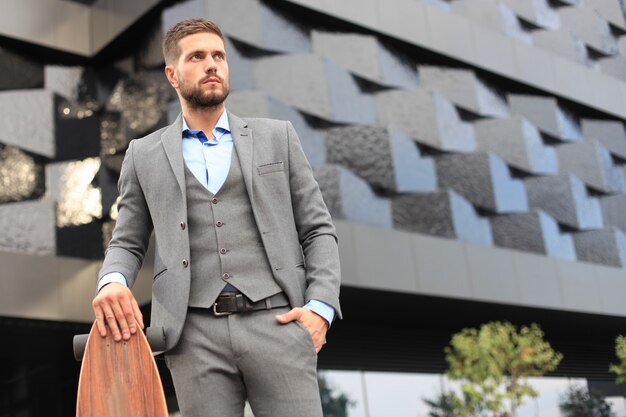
{"points": [[243, 242]]}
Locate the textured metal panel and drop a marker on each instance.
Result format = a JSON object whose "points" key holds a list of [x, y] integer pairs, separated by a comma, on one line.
{"points": [[28, 227], [573, 207], [592, 163], [610, 133], [518, 143], [534, 232], [465, 89], [428, 117], [442, 213], [27, 120], [494, 15], [484, 180], [605, 246], [613, 209], [386, 159], [547, 115], [365, 56], [591, 27]]}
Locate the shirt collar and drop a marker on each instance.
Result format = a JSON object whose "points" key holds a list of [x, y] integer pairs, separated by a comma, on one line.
{"points": [[222, 126]]}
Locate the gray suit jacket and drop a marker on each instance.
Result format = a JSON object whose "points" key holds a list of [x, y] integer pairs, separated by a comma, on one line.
{"points": [[293, 220]]}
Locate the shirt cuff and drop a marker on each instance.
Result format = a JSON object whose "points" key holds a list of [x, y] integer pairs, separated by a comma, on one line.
{"points": [[323, 309], [111, 277]]}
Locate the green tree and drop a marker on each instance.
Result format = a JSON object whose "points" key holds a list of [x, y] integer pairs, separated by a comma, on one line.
{"points": [[494, 363], [620, 352], [333, 404], [580, 402]]}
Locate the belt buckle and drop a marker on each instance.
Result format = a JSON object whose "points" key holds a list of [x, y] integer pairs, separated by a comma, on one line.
{"points": [[217, 313]]}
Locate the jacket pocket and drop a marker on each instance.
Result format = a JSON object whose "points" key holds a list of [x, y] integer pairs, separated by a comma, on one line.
{"points": [[159, 274], [271, 167]]}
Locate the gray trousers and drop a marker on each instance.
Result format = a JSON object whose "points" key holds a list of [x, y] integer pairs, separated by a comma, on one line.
{"points": [[220, 362]]}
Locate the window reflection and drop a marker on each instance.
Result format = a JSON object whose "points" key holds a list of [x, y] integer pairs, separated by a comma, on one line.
{"points": [[18, 174]]}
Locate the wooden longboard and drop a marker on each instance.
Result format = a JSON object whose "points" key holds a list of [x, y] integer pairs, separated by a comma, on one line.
{"points": [[119, 379]]}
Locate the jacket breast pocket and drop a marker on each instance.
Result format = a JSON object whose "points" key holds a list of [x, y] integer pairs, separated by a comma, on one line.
{"points": [[271, 167]]}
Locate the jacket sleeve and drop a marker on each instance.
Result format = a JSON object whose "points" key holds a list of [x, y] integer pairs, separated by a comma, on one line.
{"points": [[316, 231], [133, 227]]}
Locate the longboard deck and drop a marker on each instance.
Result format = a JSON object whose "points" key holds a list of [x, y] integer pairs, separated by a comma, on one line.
{"points": [[119, 379]]}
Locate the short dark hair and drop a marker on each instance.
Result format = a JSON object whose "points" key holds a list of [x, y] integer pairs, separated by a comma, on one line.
{"points": [[171, 50]]}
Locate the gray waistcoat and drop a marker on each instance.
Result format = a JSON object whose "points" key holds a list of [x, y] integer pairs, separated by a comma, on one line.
{"points": [[225, 243]]}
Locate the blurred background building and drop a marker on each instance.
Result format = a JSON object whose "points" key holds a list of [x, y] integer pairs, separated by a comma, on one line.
{"points": [[472, 154]]}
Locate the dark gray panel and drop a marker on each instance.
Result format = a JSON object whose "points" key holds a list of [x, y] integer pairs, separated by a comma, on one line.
{"points": [[535, 232], [19, 72], [443, 213], [28, 227], [386, 159], [606, 246], [614, 210], [573, 207], [484, 179]]}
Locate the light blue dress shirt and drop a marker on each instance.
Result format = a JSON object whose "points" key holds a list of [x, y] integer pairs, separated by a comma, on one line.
{"points": [[209, 161]]}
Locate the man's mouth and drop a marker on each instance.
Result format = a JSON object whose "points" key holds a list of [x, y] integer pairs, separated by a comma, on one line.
{"points": [[210, 80]]}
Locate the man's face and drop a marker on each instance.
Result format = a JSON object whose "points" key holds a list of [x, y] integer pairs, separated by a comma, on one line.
{"points": [[201, 72]]}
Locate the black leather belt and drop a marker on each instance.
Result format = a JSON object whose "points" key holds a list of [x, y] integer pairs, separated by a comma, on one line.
{"points": [[230, 303]]}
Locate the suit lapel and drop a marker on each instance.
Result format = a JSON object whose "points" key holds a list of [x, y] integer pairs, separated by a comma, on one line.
{"points": [[242, 138], [171, 140]]}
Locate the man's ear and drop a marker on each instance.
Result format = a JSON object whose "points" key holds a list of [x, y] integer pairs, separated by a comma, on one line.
{"points": [[170, 73]]}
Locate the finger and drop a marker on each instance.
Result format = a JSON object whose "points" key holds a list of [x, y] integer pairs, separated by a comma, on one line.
{"points": [[129, 314], [109, 316], [100, 319], [291, 315], [121, 320], [137, 310]]}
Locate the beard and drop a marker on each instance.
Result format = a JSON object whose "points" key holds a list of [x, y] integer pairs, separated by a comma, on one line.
{"points": [[201, 99]]}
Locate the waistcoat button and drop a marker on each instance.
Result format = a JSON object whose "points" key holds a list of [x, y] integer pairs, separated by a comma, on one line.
{"points": [[223, 251], [225, 275], [182, 225], [185, 263], [214, 200], [219, 224]]}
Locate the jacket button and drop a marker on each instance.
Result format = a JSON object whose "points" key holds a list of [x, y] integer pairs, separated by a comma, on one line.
{"points": [[223, 251], [182, 225], [225, 275], [214, 200], [219, 224], [185, 263]]}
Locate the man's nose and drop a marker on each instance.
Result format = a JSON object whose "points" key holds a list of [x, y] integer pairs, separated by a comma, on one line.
{"points": [[210, 65]]}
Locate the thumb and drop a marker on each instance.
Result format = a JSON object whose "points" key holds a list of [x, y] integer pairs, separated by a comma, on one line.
{"points": [[291, 315]]}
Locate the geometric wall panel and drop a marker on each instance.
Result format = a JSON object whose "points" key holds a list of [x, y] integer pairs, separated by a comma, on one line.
{"points": [[517, 142], [613, 210], [604, 246], [465, 89], [483, 179], [562, 43], [591, 162], [28, 227], [315, 85], [539, 12], [593, 29], [65, 81], [386, 158], [350, 197], [535, 231], [546, 113], [443, 213], [494, 15], [610, 133], [428, 117], [565, 197], [27, 120], [19, 72], [366, 57]]}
